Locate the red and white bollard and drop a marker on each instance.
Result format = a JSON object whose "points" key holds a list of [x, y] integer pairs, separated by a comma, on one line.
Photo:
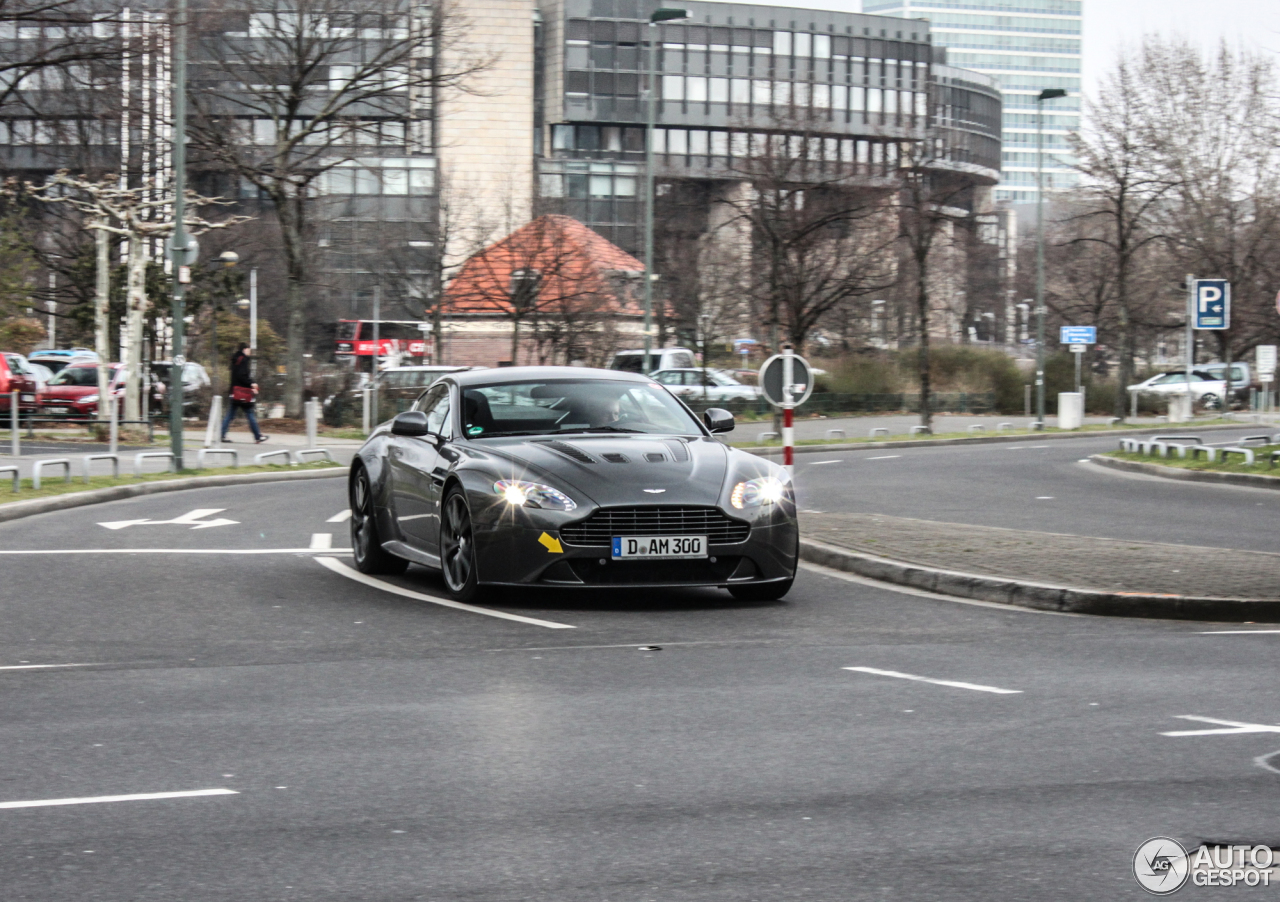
{"points": [[788, 412]]}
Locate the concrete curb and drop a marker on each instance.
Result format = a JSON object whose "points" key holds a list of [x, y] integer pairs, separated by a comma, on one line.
{"points": [[17, 509], [1040, 596], [1252, 480], [769, 450]]}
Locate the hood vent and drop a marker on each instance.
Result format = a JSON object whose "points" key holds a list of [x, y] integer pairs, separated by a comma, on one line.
{"points": [[615, 458], [570, 451], [655, 457], [678, 449]]}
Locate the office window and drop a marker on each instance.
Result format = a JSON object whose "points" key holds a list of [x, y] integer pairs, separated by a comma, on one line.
{"points": [[677, 142], [719, 90], [393, 133], [840, 97], [801, 95], [803, 44], [782, 43], [367, 181], [624, 186], [904, 102], [698, 143], [831, 149], [847, 150], [822, 46], [673, 87], [761, 92], [857, 99], [873, 100], [264, 131], [601, 186], [922, 104], [696, 89], [740, 90], [395, 181], [562, 137], [659, 140], [551, 184], [781, 93], [738, 144], [890, 102], [719, 144], [611, 140]]}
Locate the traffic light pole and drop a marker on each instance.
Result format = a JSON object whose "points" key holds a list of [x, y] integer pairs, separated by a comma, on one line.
{"points": [[179, 244]]}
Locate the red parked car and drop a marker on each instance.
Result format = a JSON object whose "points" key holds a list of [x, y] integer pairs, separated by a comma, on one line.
{"points": [[74, 391], [16, 376]]}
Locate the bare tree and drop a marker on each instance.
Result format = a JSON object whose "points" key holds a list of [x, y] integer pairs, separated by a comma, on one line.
{"points": [[285, 92], [52, 43]]}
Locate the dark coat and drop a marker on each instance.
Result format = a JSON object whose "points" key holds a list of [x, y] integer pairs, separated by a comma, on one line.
{"points": [[240, 370]]}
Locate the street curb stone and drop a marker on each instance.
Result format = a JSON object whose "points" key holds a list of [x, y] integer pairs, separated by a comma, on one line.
{"points": [[770, 450], [17, 509], [1040, 596], [1253, 480]]}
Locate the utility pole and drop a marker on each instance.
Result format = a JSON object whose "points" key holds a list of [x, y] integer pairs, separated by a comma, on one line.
{"points": [[181, 272], [1046, 94]]}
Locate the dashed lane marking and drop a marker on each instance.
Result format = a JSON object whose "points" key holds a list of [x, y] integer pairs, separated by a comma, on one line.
{"points": [[955, 684], [136, 797], [44, 666], [339, 518], [818, 463], [343, 570], [321, 541], [886, 457]]}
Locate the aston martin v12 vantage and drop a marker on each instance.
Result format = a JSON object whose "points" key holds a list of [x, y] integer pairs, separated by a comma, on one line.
{"points": [[561, 476]]}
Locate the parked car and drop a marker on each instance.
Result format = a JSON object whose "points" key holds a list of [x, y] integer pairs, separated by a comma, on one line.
{"points": [[1205, 389], [17, 376], [73, 393], [195, 379], [1240, 375], [659, 359], [711, 385], [398, 383], [42, 373], [57, 359]]}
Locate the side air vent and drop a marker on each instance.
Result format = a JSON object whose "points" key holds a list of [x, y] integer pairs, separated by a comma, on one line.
{"points": [[570, 451], [655, 457], [614, 457], [679, 450]]}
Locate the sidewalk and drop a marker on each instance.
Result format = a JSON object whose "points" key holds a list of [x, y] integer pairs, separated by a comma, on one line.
{"points": [[1077, 562]]}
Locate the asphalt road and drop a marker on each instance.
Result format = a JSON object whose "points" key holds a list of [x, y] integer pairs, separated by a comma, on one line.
{"points": [[373, 746], [1045, 486]]}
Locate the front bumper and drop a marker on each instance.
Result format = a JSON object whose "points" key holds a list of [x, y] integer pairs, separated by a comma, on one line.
{"points": [[518, 554]]}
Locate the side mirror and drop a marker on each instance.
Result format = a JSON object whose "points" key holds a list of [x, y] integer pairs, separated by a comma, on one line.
{"points": [[411, 422], [717, 420]]}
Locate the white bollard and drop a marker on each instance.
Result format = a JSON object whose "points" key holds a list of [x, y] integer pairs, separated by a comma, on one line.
{"points": [[213, 432], [366, 418], [311, 423]]}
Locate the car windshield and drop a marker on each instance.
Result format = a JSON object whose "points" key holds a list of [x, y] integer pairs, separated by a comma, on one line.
{"points": [[559, 407], [76, 375]]}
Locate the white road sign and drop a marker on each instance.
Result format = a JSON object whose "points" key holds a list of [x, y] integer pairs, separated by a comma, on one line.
{"points": [[1266, 362]]}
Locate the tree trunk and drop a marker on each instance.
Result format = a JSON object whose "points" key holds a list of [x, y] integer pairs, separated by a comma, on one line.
{"points": [[515, 339], [922, 314], [136, 307], [101, 336], [290, 212]]}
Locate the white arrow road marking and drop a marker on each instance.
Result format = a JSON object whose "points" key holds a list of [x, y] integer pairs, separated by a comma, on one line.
{"points": [[343, 570], [136, 797], [338, 518], [923, 679], [1230, 726], [192, 519]]}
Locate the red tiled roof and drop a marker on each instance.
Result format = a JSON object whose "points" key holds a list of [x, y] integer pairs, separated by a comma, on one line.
{"points": [[572, 263]]}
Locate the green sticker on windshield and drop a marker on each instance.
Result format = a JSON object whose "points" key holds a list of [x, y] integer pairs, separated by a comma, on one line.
{"points": [[475, 430]]}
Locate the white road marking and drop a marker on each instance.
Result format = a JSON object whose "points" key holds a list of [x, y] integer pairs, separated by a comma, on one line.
{"points": [[818, 463], [43, 666], [343, 570], [191, 518], [1229, 726], [136, 797], [175, 551], [339, 518], [924, 593], [1236, 632], [1044, 497], [1264, 762], [886, 457], [953, 683], [321, 541]]}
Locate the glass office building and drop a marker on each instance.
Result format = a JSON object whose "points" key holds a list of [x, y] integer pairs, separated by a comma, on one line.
{"points": [[1027, 45]]}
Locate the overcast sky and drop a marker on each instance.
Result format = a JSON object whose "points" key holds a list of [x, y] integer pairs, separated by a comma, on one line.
{"points": [[1110, 24]]}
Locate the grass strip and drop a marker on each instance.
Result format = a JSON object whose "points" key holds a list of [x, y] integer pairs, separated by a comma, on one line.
{"points": [[53, 483], [1236, 463]]}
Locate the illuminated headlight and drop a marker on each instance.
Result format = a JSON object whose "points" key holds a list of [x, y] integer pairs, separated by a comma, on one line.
{"points": [[88, 399], [758, 492], [519, 493]]}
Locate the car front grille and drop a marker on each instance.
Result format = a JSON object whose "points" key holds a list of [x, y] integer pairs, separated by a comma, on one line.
{"points": [[667, 520]]}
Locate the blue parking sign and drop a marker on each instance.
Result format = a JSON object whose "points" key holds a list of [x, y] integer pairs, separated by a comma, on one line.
{"points": [[1212, 304]]}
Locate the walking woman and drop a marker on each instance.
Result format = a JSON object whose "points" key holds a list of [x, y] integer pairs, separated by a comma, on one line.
{"points": [[244, 391]]}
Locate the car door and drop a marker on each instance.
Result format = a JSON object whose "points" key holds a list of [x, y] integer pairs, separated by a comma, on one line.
{"points": [[415, 467]]}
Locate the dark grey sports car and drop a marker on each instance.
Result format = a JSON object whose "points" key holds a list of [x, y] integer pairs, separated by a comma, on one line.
{"points": [[558, 476]]}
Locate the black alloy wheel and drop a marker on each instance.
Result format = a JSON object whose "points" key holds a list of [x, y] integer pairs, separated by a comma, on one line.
{"points": [[366, 544], [457, 547]]}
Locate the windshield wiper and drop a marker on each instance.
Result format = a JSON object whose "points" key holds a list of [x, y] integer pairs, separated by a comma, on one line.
{"points": [[600, 429]]}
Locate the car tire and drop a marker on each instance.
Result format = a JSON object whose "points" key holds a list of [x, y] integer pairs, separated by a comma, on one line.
{"points": [[1210, 401], [366, 542], [762, 591], [457, 547]]}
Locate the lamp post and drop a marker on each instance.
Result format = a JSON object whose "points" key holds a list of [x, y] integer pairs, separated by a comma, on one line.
{"points": [[251, 304], [659, 15], [180, 252], [1046, 94], [228, 259]]}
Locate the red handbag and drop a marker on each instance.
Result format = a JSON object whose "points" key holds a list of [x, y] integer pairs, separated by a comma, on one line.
{"points": [[242, 394]]}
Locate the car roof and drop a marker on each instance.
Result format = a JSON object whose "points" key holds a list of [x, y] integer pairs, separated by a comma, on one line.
{"points": [[506, 374]]}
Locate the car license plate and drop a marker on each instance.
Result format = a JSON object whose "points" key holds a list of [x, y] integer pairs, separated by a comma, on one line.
{"points": [[27, 397], [630, 547], [57, 409]]}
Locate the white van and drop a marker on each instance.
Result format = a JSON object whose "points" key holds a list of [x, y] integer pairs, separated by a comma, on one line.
{"points": [[659, 359]]}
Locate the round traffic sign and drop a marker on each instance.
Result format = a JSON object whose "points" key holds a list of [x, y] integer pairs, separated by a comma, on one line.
{"points": [[771, 375]]}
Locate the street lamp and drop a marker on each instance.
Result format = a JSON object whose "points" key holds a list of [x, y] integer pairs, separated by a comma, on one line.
{"points": [[251, 304], [658, 16], [1046, 94]]}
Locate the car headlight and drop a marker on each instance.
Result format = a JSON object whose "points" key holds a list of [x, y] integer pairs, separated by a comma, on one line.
{"points": [[519, 493], [88, 399], [758, 492]]}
